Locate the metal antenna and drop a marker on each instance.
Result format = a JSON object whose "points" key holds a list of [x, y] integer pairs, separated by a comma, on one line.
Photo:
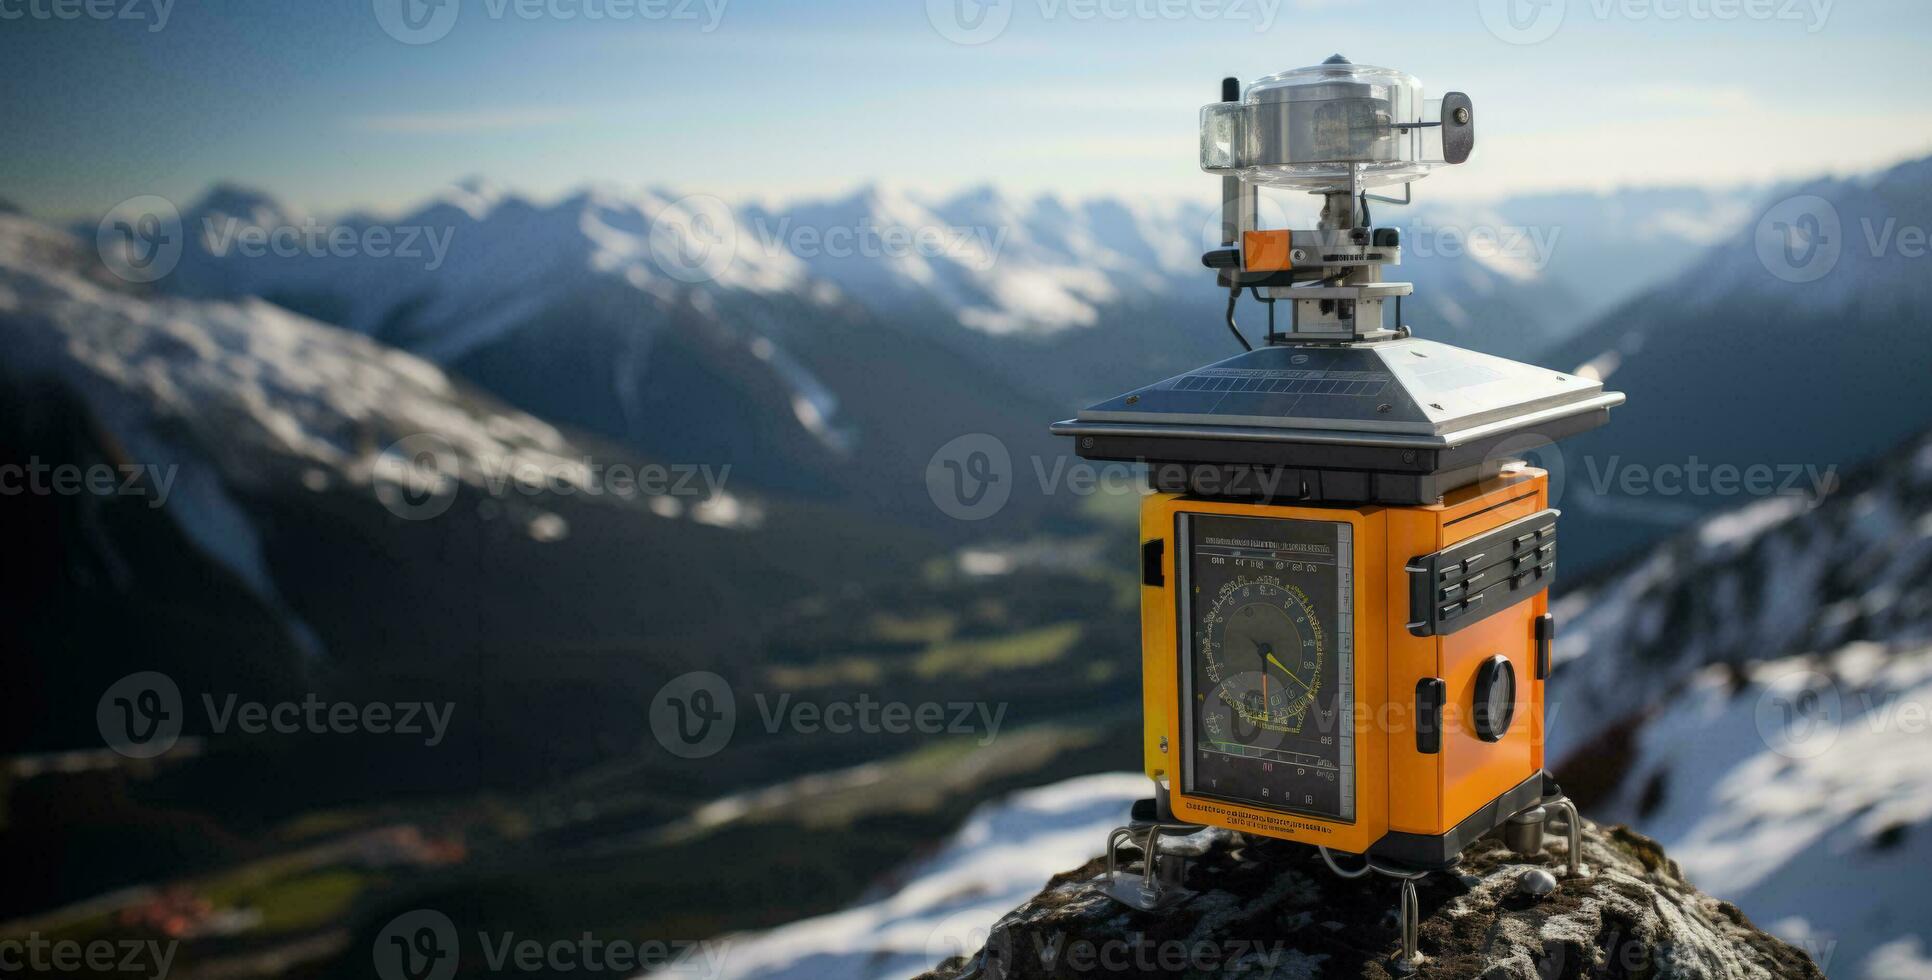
{"points": [[1230, 184]]}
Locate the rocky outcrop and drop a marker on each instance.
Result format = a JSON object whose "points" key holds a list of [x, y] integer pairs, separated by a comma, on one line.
{"points": [[1271, 909]]}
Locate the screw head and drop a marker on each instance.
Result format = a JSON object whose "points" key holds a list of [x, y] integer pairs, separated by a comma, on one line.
{"points": [[1462, 116], [1536, 883], [1163, 745]]}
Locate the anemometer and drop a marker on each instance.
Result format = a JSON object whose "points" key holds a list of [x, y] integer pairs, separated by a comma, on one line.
{"points": [[1345, 569]]}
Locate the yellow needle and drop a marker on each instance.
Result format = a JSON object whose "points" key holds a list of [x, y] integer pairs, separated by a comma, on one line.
{"points": [[1290, 673]]}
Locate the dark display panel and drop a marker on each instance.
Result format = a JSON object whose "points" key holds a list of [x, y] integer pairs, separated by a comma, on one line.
{"points": [[1268, 662]]}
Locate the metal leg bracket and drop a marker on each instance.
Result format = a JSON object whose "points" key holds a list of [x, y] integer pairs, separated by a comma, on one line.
{"points": [[1158, 884]]}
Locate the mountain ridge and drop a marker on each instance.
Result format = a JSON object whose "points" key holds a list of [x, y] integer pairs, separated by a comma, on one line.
{"points": [[1746, 359]]}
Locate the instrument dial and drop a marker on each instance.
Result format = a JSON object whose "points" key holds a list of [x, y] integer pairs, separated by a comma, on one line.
{"points": [[1263, 648], [1267, 662]]}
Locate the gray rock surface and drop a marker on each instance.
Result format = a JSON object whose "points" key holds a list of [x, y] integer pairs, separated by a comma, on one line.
{"points": [[1271, 909]]}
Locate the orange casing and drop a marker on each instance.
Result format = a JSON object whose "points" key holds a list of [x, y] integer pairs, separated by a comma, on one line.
{"points": [[1397, 787], [1267, 251]]}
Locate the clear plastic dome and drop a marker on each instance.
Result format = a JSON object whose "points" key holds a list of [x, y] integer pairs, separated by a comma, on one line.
{"points": [[1305, 128]]}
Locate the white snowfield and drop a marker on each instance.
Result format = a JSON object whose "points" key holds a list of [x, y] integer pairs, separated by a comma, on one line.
{"points": [[1803, 796], [942, 906]]}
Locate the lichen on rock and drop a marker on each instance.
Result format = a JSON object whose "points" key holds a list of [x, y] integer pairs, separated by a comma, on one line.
{"points": [[1270, 909]]}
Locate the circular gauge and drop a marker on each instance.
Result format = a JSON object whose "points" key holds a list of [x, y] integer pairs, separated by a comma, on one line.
{"points": [[1262, 647], [1495, 698]]}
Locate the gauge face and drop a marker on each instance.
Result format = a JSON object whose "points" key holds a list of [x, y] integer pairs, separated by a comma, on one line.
{"points": [[1267, 662], [1262, 645]]}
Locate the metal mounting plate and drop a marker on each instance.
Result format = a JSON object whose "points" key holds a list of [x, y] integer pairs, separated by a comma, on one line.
{"points": [[1127, 888], [1435, 393]]}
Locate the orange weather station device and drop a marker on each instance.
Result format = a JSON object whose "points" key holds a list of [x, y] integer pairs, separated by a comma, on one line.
{"points": [[1346, 555]]}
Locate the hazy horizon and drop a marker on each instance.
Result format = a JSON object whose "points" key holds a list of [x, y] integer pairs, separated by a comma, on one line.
{"points": [[1203, 195], [344, 106]]}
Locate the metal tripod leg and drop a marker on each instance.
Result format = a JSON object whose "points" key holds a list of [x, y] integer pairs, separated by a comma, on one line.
{"points": [[1411, 913], [1146, 890], [1576, 868]]}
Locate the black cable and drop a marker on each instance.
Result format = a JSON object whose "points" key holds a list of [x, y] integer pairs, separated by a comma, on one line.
{"points": [[1234, 293], [1255, 291]]}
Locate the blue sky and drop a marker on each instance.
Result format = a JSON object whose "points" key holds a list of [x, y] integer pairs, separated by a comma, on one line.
{"points": [[316, 102]]}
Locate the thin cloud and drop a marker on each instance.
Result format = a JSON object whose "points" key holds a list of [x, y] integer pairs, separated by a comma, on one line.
{"points": [[469, 121], [1723, 99]]}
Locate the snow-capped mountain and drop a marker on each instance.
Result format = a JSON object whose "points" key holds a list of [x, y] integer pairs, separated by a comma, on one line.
{"points": [[976, 258], [684, 327], [1773, 352], [316, 507], [661, 322], [1509, 276], [993, 263], [1600, 248], [468, 265], [472, 267], [1772, 579], [1756, 694], [1110, 290], [321, 401]]}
